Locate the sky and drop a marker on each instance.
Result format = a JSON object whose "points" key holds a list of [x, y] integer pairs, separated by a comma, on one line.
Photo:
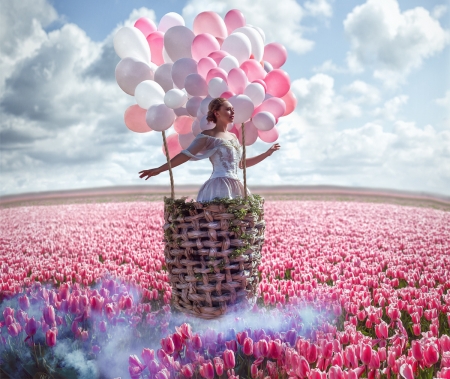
{"points": [[371, 79]]}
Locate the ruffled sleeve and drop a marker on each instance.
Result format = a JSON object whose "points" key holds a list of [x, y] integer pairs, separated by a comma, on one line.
{"points": [[202, 147]]}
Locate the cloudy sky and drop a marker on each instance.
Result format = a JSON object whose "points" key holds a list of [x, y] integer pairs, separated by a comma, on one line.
{"points": [[371, 78]]}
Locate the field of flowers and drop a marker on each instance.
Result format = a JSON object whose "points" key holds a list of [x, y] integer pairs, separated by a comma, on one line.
{"points": [[347, 290]]}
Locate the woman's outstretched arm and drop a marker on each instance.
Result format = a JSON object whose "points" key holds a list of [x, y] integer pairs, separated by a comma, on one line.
{"points": [[255, 160], [174, 162]]}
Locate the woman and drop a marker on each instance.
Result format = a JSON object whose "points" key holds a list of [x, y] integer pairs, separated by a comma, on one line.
{"points": [[223, 150]]}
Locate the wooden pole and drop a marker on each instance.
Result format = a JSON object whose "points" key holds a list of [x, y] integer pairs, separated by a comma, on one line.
{"points": [[244, 164], [166, 149]]}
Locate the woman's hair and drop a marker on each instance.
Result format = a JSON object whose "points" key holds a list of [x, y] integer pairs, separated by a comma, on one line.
{"points": [[214, 106]]}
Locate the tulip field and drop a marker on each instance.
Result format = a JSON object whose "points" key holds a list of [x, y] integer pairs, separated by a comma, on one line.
{"points": [[347, 290]]}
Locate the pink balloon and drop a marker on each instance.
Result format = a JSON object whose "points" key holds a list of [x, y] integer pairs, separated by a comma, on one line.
{"points": [[253, 70], [235, 130], [218, 55], [173, 145], [278, 82], [203, 45], [262, 82], [145, 25], [227, 94], [275, 53], [160, 117], [195, 85], [204, 65], [216, 72], [156, 42], [237, 80], [183, 124], [274, 105], [269, 136], [135, 119], [291, 102], [181, 69], [186, 139], [196, 127], [210, 22], [234, 19], [251, 133]]}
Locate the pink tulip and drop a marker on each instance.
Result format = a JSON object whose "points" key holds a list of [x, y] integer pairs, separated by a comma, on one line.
{"points": [[232, 345], [406, 371], [24, 302], [50, 337], [49, 315], [228, 359], [366, 354], [168, 345], [275, 349], [247, 347], [219, 365], [207, 370], [430, 354], [187, 370], [31, 327], [336, 373], [382, 330], [14, 329]]}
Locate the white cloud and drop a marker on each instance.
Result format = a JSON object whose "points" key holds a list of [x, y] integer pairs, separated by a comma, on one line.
{"points": [[391, 107], [364, 92], [329, 66], [439, 11], [389, 41], [444, 101], [318, 102], [281, 22]]}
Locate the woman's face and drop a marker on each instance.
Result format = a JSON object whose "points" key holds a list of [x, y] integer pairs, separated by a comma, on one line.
{"points": [[225, 114]]}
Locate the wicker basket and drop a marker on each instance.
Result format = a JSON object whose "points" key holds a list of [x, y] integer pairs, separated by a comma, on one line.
{"points": [[212, 253]]}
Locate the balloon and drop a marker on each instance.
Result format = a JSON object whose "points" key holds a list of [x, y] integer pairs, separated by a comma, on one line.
{"points": [[255, 92], [237, 80], [204, 65], [159, 117], [196, 127], [234, 130], [216, 87], [262, 82], [257, 43], [175, 98], [156, 42], [290, 101], [181, 111], [218, 55], [130, 72], [177, 42], [203, 45], [274, 105], [186, 139], [238, 45], [135, 119], [204, 105], [196, 85], [269, 136], [205, 124], [227, 94], [243, 108], [253, 70], [183, 124], [170, 20], [259, 30], [228, 62], [251, 133], [216, 73], [267, 67], [210, 22], [130, 42], [264, 120], [234, 19], [173, 145], [182, 68], [145, 25], [193, 104], [278, 82], [166, 57], [163, 76], [275, 53], [148, 93]]}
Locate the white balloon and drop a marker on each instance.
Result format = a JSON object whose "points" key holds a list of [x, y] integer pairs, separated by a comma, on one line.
{"points": [[216, 87], [175, 98], [264, 120], [204, 105], [255, 40], [159, 117], [243, 108], [130, 72], [148, 93], [255, 92], [238, 45], [181, 112], [196, 85], [130, 42], [163, 76], [267, 67], [229, 62], [166, 56], [260, 31], [177, 42], [169, 20], [193, 104], [181, 69]]}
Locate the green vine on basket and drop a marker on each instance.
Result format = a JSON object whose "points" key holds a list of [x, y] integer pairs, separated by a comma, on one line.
{"points": [[239, 251]]}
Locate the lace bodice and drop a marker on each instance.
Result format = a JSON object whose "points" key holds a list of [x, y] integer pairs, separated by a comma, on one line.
{"points": [[224, 155]]}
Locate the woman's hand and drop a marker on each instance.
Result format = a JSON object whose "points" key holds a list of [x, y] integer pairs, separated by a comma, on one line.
{"points": [[149, 173], [273, 148]]}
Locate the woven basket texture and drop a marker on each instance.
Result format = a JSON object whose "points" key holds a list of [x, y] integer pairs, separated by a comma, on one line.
{"points": [[212, 254]]}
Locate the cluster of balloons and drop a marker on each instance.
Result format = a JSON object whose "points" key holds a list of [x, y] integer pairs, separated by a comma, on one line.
{"points": [[174, 72]]}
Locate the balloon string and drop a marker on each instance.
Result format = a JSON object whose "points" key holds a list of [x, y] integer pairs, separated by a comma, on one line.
{"points": [[166, 149], [244, 165]]}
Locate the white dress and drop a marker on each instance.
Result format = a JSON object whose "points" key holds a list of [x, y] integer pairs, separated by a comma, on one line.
{"points": [[225, 155]]}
